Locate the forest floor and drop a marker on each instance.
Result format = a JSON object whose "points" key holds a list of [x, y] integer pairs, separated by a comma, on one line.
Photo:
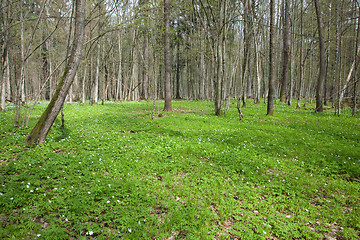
{"points": [[112, 174]]}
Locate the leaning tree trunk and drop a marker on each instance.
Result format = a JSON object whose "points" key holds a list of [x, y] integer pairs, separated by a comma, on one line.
{"points": [[322, 71], [42, 127]]}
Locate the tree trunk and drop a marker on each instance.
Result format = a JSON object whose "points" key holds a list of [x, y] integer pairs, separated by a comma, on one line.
{"points": [[97, 75], [333, 86], [292, 57], [202, 70], [4, 55], [356, 64], [271, 96], [286, 53], [246, 62], [178, 66], [352, 71], [83, 97], [218, 84], [322, 63], [258, 72], [167, 106], [144, 82], [5, 76], [301, 56], [41, 129], [349, 77], [327, 58], [119, 88]]}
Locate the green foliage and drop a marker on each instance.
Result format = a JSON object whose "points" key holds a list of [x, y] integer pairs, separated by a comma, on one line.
{"points": [[110, 174]]}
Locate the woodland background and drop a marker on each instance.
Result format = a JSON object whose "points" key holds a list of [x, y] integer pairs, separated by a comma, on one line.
{"points": [[219, 50]]}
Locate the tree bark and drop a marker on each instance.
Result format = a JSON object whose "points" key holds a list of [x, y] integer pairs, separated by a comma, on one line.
{"points": [[246, 83], [301, 56], [271, 96], [118, 92], [4, 55], [286, 52], [5, 76], [144, 82], [167, 106], [41, 129], [356, 64], [202, 70], [322, 63], [83, 96], [178, 66]]}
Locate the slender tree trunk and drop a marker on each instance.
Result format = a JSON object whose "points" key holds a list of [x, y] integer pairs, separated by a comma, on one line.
{"points": [[349, 77], [335, 71], [301, 55], [20, 88], [291, 55], [286, 52], [41, 129], [8, 79], [119, 88], [245, 68], [97, 75], [271, 96], [83, 86], [352, 71], [21, 94], [202, 70], [327, 58], [322, 63], [144, 82], [340, 59], [258, 73], [178, 66], [4, 55], [218, 84], [167, 56], [356, 63], [5, 76]]}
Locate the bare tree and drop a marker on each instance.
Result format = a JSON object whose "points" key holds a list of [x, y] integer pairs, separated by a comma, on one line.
{"points": [[41, 129]]}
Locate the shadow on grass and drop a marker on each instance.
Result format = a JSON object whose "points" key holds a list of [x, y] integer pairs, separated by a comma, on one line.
{"points": [[61, 133]]}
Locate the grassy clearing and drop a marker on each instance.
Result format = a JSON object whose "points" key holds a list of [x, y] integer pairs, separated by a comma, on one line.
{"points": [[110, 174]]}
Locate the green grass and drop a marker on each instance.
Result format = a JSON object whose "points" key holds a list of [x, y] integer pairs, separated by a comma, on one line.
{"points": [[111, 174]]}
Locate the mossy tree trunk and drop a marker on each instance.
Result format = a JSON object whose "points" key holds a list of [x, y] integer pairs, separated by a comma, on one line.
{"points": [[42, 127]]}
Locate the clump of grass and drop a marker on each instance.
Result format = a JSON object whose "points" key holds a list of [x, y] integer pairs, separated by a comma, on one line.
{"points": [[112, 174]]}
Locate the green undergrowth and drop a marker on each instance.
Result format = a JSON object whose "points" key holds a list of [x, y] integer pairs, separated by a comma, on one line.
{"points": [[111, 174]]}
